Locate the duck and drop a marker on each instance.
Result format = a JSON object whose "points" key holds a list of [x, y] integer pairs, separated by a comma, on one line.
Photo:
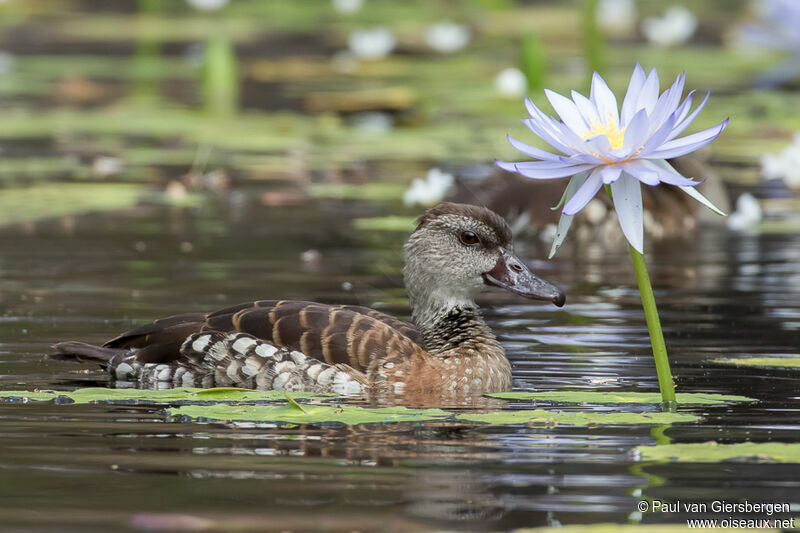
{"points": [[455, 252]]}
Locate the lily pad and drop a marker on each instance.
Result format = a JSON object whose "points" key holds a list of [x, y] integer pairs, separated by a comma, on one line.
{"points": [[684, 398], [390, 223], [575, 418], [215, 404], [767, 362], [714, 452], [25, 204], [308, 414], [367, 191], [183, 394]]}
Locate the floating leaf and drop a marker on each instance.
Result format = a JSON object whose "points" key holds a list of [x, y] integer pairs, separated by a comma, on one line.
{"points": [[390, 223], [714, 452], [575, 418], [367, 191], [309, 414], [776, 362], [684, 398], [183, 394], [25, 204]]}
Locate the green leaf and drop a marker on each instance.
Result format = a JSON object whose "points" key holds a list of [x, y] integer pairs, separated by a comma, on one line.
{"points": [[533, 62], [220, 77], [389, 223], [575, 418], [24, 204], [367, 191], [566, 220], [294, 404], [685, 398], [714, 452], [310, 414], [777, 362], [183, 394]]}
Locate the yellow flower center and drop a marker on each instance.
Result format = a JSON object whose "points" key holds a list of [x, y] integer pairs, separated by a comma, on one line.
{"points": [[610, 129]]}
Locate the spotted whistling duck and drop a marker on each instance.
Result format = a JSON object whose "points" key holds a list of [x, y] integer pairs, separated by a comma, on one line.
{"points": [[455, 252]]}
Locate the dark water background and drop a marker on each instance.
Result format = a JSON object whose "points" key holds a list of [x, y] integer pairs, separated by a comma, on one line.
{"points": [[85, 80], [96, 467]]}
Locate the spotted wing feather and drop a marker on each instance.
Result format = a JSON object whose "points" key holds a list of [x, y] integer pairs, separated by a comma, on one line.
{"points": [[335, 334]]}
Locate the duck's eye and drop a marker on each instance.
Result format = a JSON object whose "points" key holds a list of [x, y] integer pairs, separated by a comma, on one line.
{"points": [[469, 238]]}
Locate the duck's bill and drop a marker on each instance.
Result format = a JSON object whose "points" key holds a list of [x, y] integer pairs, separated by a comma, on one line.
{"points": [[511, 274]]}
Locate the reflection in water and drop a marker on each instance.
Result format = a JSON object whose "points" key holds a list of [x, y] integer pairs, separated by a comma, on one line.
{"points": [[721, 296]]}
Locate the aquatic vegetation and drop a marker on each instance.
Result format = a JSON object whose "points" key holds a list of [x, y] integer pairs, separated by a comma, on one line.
{"points": [[764, 362], [447, 37], [308, 414], [603, 145], [575, 418], [616, 17], [371, 44], [178, 394], [714, 452], [389, 223], [232, 404], [347, 7], [676, 27], [784, 165], [47, 200], [220, 77], [684, 398], [594, 45], [533, 61], [207, 5], [429, 190], [747, 215], [511, 83]]}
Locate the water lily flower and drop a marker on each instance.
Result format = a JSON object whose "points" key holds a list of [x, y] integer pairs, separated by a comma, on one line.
{"points": [[207, 5], [511, 83], [373, 43], [347, 7], [747, 215], [430, 190], [601, 144], [674, 28], [447, 37], [785, 165], [616, 17]]}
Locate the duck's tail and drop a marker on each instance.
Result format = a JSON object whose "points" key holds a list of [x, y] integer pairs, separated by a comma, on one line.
{"points": [[82, 352]]}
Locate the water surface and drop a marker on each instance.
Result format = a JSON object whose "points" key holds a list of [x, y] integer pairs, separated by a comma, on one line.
{"points": [[94, 467]]}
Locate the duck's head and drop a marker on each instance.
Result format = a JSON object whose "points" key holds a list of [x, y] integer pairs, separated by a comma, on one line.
{"points": [[458, 250]]}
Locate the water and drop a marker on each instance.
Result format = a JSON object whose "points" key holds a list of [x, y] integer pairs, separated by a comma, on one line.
{"points": [[98, 467]]}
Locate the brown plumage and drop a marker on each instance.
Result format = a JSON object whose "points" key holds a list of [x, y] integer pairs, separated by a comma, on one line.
{"points": [[455, 252]]}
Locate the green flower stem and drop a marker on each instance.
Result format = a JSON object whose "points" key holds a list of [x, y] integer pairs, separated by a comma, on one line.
{"points": [[654, 327]]}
